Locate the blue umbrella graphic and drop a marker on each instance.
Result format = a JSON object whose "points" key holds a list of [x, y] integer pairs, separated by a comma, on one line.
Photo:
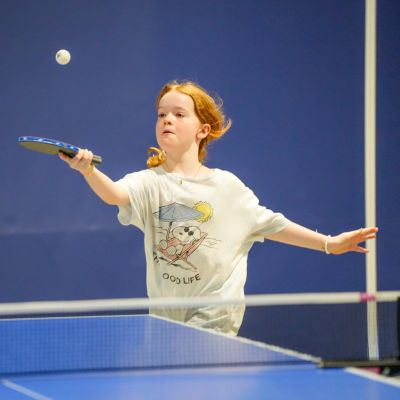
{"points": [[176, 212]]}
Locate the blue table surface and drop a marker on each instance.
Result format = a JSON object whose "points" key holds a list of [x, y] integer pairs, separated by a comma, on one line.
{"points": [[57, 344], [211, 383]]}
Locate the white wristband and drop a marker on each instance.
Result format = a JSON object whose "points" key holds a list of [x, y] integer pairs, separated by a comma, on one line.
{"points": [[326, 244]]}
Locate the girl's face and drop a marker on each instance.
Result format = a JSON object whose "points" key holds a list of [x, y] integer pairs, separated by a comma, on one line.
{"points": [[178, 128]]}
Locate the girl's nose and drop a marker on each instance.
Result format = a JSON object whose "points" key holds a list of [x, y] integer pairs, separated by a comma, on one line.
{"points": [[167, 118]]}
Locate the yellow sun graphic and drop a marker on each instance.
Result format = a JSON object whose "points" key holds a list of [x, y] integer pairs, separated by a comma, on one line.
{"points": [[205, 209]]}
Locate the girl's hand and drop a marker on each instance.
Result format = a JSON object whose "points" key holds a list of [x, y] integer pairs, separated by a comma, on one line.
{"points": [[349, 241], [82, 161]]}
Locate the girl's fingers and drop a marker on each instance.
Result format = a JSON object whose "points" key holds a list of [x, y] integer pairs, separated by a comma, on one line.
{"points": [[80, 161], [360, 249], [364, 234], [349, 241], [368, 231]]}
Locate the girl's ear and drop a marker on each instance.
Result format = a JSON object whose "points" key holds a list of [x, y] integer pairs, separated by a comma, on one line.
{"points": [[204, 131]]}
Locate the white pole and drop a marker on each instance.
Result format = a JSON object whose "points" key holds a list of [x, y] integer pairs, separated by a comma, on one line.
{"points": [[370, 138], [370, 167]]}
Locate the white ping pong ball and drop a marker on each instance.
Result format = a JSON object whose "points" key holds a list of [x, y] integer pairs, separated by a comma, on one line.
{"points": [[63, 57]]}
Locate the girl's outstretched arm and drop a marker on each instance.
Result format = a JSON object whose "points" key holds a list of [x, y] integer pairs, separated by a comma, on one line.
{"points": [[109, 191], [298, 235]]}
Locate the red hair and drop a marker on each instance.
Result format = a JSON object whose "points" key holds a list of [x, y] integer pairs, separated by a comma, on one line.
{"points": [[208, 110]]}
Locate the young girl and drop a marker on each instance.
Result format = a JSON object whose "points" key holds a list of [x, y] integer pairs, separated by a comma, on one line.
{"points": [[199, 223]]}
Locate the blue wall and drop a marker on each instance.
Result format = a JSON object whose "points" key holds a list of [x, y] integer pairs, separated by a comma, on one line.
{"points": [[291, 76]]}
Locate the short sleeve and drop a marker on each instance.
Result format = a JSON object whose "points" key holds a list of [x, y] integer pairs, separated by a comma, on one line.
{"points": [[264, 221], [135, 212], [268, 223]]}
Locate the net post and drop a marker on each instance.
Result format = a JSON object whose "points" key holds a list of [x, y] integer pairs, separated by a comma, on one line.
{"points": [[370, 170]]}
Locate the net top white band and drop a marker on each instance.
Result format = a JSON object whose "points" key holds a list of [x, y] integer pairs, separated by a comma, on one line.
{"points": [[88, 306]]}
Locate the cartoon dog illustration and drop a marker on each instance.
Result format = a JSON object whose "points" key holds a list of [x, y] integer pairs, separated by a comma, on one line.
{"points": [[181, 243]]}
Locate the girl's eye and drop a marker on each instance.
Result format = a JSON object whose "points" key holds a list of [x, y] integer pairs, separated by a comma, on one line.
{"points": [[161, 115], [179, 115]]}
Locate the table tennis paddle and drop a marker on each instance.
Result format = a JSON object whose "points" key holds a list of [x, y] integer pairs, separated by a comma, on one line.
{"points": [[51, 146]]}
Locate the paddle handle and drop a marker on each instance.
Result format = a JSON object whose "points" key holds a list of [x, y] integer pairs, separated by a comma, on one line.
{"points": [[95, 160]]}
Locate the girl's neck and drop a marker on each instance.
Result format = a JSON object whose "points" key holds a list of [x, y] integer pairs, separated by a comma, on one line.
{"points": [[182, 167]]}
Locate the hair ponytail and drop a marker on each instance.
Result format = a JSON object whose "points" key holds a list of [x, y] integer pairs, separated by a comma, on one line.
{"points": [[154, 160]]}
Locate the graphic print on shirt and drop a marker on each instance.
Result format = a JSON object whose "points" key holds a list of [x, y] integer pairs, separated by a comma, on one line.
{"points": [[179, 235]]}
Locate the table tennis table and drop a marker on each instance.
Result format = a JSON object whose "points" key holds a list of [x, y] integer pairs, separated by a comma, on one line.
{"points": [[147, 357]]}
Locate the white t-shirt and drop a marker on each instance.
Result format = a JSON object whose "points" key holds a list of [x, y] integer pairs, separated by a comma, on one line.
{"points": [[197, 235]]}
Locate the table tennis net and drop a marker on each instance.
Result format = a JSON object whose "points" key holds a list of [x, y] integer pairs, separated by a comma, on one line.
{"points": [[120, 334]]}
